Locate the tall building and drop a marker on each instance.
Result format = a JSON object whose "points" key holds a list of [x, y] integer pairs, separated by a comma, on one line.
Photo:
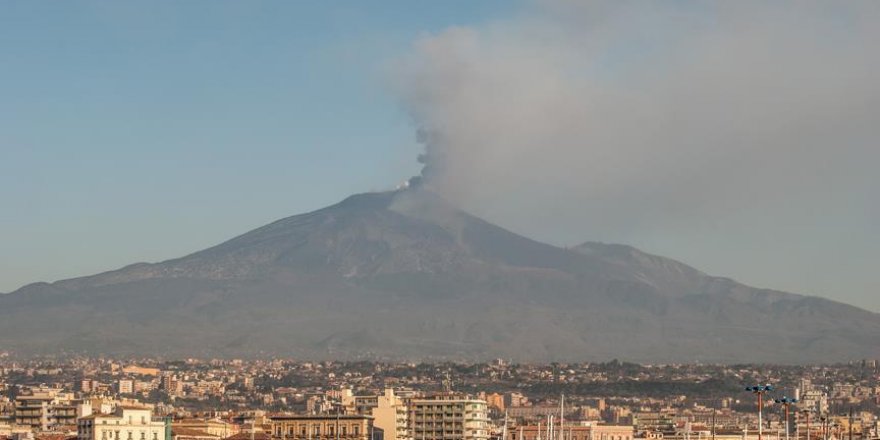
{"points": [[448, 416], [44, 409], [324, 427], [126, 423], [815, 401], [125, 386], [515, 399], [389, 411], [171, 384]]}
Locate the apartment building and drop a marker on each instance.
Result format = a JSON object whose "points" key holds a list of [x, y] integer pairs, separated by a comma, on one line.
{"points": [[45, 409], [572, 432], [125, 423], [324, 427], [448, 416], [389, 411], [125, 386]]}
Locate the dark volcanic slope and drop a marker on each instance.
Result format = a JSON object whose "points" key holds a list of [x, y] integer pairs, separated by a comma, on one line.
{"points": [[404, 275]]}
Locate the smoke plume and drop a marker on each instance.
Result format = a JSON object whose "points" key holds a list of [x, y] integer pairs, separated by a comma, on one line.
{"points": [[616, 120]]}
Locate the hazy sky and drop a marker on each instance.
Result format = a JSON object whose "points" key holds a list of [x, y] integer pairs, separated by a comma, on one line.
{"points": [[738, 137]]}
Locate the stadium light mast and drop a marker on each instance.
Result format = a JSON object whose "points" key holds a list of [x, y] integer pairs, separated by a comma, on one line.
{"points": [[786, 402], [760, 390]]}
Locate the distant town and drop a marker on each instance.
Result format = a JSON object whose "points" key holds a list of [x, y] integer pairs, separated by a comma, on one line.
{"points": [[193, 399]]}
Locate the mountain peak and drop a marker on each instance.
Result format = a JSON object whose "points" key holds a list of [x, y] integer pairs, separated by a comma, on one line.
{"points": [[426, 279]]}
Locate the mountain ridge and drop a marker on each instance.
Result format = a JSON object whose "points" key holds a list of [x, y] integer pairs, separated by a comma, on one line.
{"points": [[384, 275]]}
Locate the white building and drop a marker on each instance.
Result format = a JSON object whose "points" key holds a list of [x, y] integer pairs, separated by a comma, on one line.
{"points": [[389, 411], [448, 417], [126, 423]]}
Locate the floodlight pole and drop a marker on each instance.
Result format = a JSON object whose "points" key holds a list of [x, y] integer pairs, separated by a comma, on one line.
{"points": [[786, 403], [760, 390]]}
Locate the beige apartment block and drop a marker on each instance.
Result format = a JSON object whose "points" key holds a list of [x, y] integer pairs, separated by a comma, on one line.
{"points": [[389, 411], [573, 432], [45, 409], [322, 427]]}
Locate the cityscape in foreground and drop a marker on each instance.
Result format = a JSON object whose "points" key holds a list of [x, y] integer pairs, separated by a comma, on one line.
{"points": [[192, 399], [439, 220]]}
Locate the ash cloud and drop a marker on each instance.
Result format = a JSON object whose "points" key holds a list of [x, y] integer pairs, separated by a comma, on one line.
{"points": [[635, 120]]}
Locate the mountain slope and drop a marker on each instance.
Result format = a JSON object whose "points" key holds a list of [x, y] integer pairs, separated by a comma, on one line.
{"points": [[405, 275]]}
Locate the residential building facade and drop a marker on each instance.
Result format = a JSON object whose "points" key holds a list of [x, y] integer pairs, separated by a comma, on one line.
{"points": [[448, 416]]}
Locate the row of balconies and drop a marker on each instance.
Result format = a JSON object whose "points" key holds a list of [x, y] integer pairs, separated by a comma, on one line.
{"points": [[319, 437], [445, 435], [440, 427], [437, 416], [440, 431]]}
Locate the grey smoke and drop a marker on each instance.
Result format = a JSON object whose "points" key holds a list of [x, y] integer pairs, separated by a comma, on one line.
{"points": [[711, 131]]}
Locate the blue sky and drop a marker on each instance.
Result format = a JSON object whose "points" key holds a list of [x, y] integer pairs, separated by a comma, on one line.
{"points": [[138, 131]]}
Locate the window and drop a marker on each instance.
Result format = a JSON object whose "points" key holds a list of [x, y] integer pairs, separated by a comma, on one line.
{"points": [[155, 436], [357, 430], [344, 430]]}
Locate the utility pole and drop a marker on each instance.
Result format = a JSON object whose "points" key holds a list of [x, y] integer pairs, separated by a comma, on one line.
{"points": [[562, 418]]}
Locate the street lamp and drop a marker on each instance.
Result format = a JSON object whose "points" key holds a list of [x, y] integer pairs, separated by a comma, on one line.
{"points": [[760, 390], [786, 402]]}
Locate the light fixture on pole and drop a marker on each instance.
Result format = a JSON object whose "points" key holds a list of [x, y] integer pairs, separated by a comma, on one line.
{"points": [[760, 390], [786, 402]]}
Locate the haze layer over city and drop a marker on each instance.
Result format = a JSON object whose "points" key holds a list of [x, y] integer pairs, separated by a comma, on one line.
{"points": [[456, 220]]}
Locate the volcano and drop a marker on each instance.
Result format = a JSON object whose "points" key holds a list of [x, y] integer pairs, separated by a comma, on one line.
{"points": [[406, 275]]}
